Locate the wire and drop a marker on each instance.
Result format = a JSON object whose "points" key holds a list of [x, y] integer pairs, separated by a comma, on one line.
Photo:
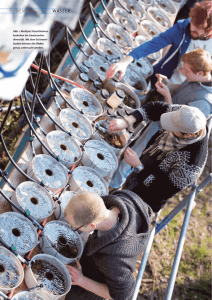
{"points": [[60, 77]]}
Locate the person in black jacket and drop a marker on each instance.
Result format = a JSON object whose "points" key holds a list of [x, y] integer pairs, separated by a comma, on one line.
{"points": [[173, 158], [121, 225]]}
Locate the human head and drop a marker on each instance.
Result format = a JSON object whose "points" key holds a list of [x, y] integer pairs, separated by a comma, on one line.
{"points": [[187, 119], [86, 209], [197, 64], [201, 20]]}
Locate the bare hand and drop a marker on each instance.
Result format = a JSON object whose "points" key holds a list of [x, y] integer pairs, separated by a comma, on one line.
{"points": [[162, 89], [161, 78], [117, 67], [132, 158], [76, 273], [117, 125]]}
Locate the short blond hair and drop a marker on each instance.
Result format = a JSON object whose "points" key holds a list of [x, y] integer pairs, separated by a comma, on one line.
{"points": [[86, 208], [198, 60]]}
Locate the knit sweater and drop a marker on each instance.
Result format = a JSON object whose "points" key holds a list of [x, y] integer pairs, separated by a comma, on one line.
{"points": [[195, 94], [111, 258], [162, 178]]}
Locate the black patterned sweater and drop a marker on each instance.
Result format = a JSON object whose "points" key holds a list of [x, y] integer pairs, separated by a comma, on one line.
{"points": [[162, 178], [111, 257]]}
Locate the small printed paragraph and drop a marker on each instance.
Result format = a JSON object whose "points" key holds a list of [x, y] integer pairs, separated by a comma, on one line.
{"points": [[30, 39]]}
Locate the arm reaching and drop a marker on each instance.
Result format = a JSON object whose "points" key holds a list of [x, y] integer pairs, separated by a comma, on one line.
{"points": [[164, 90], [120, 124], [121, 67], [132, 158], [79, 279]]}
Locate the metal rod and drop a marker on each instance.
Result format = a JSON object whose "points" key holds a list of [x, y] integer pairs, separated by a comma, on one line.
{"points": [[85, 37], [4, 296], [6, 116], [4, 174], [93, 13], [15, 107], [109, 15], [180, 246], [33, 104], [70, 53], [119, 2], [35, 133], [56, 87], [79, 46], [5, 147], [51, 118], [144, 261]]}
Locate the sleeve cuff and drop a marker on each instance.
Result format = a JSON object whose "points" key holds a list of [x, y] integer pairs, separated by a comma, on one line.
{"points": [[137, 115]]}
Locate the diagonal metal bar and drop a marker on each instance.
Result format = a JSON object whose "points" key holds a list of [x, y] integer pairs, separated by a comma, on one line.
{"points": [[180, 246], [144, 261]]}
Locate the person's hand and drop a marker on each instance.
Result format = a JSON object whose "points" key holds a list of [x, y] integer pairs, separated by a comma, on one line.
{"points": [[161, 78], [132, 158], [162, 89], [117, 67], [76, 273], [117, 125]]}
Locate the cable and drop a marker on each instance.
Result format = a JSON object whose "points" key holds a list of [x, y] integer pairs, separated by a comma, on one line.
{"points": [[79, 46], [85, 37], [96, 24]]}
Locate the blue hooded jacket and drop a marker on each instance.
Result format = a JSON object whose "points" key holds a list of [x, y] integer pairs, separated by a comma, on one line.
{"points": [[178, 36]]}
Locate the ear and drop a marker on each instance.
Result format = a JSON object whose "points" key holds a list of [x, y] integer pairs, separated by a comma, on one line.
{"points": [[93, 225], [200, 73]]}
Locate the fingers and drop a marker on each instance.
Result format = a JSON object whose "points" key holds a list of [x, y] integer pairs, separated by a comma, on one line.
{"points": [[111, 71], [129, 152], [71, 269], [159, 85], [161, 76], [121, 75], [112, 126], [78, 264]]}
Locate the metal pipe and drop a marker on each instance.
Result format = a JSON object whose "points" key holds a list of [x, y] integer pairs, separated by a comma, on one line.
{"points": [[35, 133], [180, 246], [109, 15], [85, 37], [119, 2], [181, 205], [33, 105], [15, 107], [144, 261], [96, 24], [79, 46], [4, 296], [5, 147]]}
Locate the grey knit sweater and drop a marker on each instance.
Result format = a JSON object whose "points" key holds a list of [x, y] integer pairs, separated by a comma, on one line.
{"points": [[111, 258], [195, 94]]}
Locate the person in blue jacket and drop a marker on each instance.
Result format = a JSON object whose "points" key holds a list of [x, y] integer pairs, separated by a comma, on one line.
{"points": [[185, 36]]}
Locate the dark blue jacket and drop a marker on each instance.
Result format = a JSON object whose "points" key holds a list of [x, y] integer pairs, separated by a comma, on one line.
{"points": [[178, 36]]}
